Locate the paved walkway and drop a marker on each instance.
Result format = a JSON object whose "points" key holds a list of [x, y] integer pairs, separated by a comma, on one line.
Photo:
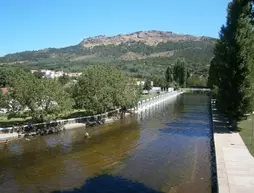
{"points": [[235, 165]]}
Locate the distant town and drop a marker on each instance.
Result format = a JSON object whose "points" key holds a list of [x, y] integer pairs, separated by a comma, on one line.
{"points": [[55, 74]]}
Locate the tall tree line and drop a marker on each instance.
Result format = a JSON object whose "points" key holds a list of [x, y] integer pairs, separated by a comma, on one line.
{"points": [[176, 74], [231, 69]]}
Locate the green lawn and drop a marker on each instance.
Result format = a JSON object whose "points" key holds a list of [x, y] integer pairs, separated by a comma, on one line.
{"points": [[147, 96], [245, 128], [4, 122]]}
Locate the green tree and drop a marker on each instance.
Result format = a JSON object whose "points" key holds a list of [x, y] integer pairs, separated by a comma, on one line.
{"points": [[213, 76], [103, 87], [3, 100], [64, 79], [159, 81], [168, 76], [148, 85], [196, 81], [180, 72], [234, 60], [37, 75], [44, 98], [9, 74]]}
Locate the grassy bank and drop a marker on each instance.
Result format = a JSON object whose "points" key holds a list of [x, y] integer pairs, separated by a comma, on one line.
{"points": [[245, 130], [147, 96], [5, 122]]}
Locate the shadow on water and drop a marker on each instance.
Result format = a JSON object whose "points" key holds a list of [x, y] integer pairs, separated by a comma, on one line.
{"points": [[113, 184]]}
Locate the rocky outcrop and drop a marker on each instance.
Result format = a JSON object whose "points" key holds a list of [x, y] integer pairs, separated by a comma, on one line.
{"points": [[152, 37]]}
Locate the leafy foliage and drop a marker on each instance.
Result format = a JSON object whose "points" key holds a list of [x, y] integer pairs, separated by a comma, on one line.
{"points": [[168, 75], [231, 69], [9, 74], [148, 85], [40, 97], [64, 79], [180, 72], [103, 87], [196, 81], [3, 102]]}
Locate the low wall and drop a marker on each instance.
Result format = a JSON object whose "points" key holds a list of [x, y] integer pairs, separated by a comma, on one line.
{"points": [[59, 125], [155, 100]]}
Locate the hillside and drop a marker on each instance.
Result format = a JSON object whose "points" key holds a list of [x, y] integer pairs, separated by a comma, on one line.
{"points": [[139, 53]]}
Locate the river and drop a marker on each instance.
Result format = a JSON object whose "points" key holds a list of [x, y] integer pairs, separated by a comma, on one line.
{"points": [[163, 149]]}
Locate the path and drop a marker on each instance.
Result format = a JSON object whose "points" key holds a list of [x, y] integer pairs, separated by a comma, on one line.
{"points": [[235, 165]]}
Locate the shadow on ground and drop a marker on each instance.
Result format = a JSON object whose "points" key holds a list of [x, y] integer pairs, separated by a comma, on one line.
{"points": [[221, 123], [110, 184]]}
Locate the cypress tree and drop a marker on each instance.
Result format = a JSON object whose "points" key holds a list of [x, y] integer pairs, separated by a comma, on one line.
{"points": [[168, 76], [234, 60], [180, 72]]}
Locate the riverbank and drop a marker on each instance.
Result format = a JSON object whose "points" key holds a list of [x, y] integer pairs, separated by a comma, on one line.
{"points": [[235, 165], [246, 132], [109, 117]]}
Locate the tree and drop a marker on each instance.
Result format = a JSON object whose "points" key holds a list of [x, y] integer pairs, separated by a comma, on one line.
{"points": [[8, 75], [44, 98], [103, 87], [168, 76], [3, 101], [147, 85], [196, 81], [180, 72], [213, 76], [234, 55], [159, 81], [37, 74], [64, 79]]}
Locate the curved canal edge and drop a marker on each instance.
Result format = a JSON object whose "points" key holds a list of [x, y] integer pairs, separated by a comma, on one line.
{"points": [[234, 163]]}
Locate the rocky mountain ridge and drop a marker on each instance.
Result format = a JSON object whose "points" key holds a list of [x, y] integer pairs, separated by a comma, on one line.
{"points": [[152, 38]]}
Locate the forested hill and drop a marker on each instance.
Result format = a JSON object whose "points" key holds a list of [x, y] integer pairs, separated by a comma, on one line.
{"points": [[139, 53]]}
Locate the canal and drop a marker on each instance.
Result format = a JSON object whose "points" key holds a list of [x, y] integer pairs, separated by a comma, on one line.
{"points": [[163, 149]]}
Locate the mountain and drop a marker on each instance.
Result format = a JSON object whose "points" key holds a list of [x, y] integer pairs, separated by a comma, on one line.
{"points": [[140, 53], [151, 38]]}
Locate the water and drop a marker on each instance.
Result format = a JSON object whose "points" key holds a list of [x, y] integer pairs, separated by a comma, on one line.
{"points": [[163, 149]]}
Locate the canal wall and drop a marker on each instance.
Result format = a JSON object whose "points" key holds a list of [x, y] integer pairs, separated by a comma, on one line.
{"points": [[58, 125], [234, 162], [144, 104]]}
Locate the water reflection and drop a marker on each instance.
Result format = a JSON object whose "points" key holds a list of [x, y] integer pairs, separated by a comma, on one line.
{"points": [[65, 160], [163, 149]]}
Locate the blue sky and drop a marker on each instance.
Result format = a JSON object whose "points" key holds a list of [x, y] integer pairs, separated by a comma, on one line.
{"points": [[38, 24]]}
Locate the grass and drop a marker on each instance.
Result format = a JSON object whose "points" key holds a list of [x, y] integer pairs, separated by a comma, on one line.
{"points": [[245, 128], [5, 122], [16, 121], [147, 96]]}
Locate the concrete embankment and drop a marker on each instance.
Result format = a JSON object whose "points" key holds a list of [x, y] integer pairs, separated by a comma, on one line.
{"points": [[155, 100], [235, 165]]}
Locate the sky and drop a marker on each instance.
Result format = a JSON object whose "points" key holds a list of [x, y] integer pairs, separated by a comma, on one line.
{"points": [[39, 24]]}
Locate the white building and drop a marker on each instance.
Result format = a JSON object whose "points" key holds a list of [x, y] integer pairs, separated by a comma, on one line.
{"points": [[51, 73], [142, 83]]}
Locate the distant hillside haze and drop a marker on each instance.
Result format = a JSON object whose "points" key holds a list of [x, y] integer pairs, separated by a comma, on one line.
{"points": [[133, 53]]}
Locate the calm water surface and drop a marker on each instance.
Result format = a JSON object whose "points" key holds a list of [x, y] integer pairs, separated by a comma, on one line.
{"points": [[163, 149]]}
